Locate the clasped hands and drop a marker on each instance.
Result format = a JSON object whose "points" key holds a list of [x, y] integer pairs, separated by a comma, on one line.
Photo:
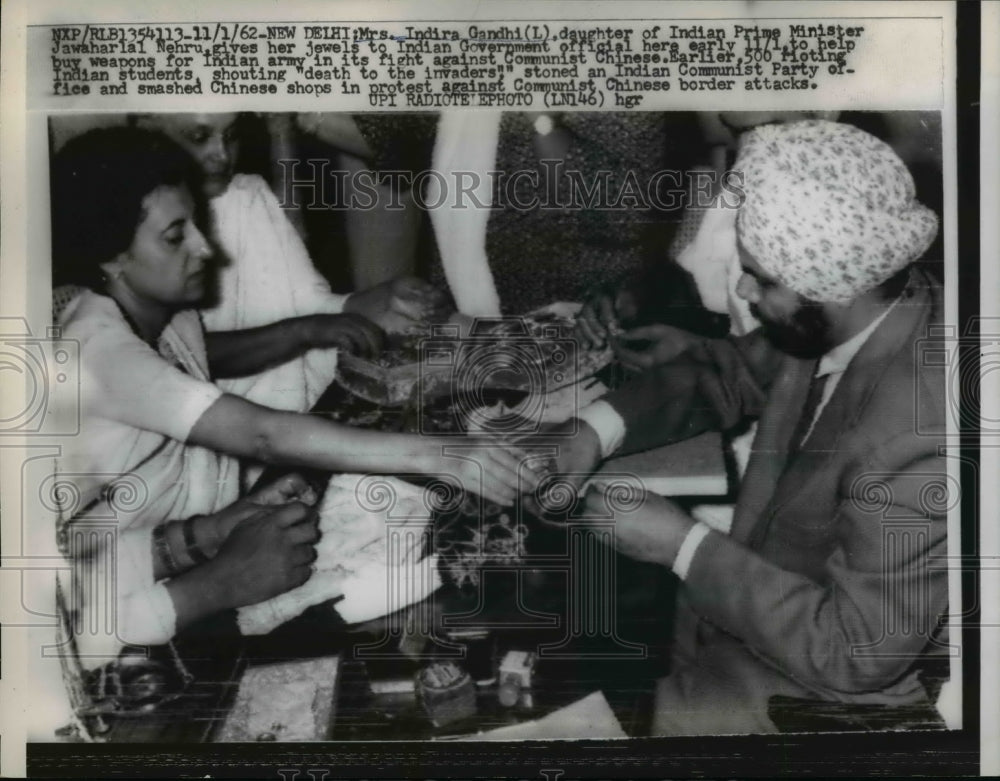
{"points": [[265, 542]]}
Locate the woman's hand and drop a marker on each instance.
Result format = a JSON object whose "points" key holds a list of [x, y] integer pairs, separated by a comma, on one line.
{"points": [[495, 470], [351, 332], [265, 555], [651, 345], [400, 304]]}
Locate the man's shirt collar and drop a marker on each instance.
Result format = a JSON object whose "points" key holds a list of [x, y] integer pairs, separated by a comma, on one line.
{"points": [[838, 358]]}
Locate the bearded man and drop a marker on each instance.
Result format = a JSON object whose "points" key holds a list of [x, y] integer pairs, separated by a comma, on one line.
{"points": [[826, 590]]}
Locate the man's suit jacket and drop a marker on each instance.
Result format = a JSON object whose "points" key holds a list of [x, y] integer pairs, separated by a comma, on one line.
{"points": [[832, 580]]}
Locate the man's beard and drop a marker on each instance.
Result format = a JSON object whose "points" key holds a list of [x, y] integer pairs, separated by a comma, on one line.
{"points": [[806, 333]]}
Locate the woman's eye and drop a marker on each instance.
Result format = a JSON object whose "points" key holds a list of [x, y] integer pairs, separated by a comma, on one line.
{"points": [[198, 137], [174, 239]]}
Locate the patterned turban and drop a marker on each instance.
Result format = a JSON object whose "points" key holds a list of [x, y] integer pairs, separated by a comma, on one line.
{"points": [[829, 209]]}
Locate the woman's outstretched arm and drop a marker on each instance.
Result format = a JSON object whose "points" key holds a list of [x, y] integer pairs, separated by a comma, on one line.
{"points": [[494, 470]]}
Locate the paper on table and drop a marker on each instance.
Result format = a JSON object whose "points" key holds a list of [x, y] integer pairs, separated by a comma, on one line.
{"points": [[378, 591], [372, 530], [590, 717], [693, 467]]}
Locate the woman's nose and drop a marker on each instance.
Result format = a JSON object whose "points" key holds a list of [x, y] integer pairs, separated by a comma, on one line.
{"points": [[199, 245], [746, 288]]}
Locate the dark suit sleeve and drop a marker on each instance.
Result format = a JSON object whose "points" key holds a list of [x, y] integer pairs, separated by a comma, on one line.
{"points": [[713, 385], [886, 586]]}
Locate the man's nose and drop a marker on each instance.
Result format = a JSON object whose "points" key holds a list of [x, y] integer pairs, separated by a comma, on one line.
{"points": [[746, 288]]}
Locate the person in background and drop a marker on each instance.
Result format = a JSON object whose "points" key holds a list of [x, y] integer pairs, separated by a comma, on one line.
{"points": [[566, 202], [379, 156], [268, 277]]}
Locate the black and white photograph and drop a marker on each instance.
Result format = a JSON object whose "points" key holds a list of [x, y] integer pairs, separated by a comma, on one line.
{"points": [[481, 407]]}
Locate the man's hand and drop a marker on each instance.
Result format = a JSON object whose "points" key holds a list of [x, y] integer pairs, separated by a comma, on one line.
{"points": [[652, 532], [651, 345], [248, 351], [265, 555], [577, 454], [400, 304], [350, 332], [605, 313]]}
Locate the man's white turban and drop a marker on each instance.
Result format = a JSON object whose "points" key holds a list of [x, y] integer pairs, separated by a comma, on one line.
{"points": [[829, 209]]}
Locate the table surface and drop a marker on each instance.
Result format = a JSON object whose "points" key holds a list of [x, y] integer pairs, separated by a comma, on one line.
{"points": [[693, 467]]}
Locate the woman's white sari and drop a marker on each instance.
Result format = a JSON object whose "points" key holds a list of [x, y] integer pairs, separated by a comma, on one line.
{"points": [[266, 275], [129, 470]]}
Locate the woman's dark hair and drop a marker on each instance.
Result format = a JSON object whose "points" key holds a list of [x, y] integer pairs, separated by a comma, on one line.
{"points": [[99, 180]]}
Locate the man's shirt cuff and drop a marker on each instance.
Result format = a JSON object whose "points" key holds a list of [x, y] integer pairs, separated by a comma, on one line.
{"points": [[685, 554], [608, 424]]}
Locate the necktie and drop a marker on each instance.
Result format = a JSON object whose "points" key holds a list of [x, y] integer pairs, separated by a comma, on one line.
{"points": [[761, 461], [813, 398]]}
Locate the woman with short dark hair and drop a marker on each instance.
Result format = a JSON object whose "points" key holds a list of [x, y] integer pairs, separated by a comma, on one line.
{"points": [[127, 209]]}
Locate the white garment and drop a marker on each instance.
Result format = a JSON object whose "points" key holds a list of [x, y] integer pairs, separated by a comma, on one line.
{"points": [[129, 468], [268, 277], [607, 423], [713, 261], [466, 143]]}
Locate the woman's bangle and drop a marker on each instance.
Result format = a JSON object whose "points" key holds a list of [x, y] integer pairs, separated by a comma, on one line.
{"points": [[163, 552], [191, 546]]}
